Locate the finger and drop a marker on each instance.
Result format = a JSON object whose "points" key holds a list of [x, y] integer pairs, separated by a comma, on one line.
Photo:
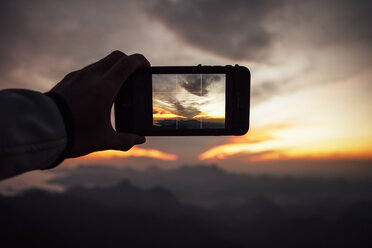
{"points": [[126, 66], [107, 62], [102, 65], [125, 141], [70, 76]]}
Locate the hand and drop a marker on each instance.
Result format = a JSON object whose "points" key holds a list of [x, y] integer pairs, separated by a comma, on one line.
{"points": [[89, 94]]}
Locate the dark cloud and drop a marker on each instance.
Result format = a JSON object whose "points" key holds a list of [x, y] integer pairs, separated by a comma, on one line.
{"points": [[164, 83], [42, 40], [231, 28], [336, 21], [177, 105], [47, 39], [242, 29], [191, 83], [196, 84], [189, 110], [264, 91]]}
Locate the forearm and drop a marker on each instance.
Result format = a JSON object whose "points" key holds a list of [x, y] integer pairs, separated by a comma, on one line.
{"points": [[32, 132]]}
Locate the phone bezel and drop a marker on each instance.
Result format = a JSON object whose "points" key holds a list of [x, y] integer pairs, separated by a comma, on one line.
{"points": [[135, 100]]}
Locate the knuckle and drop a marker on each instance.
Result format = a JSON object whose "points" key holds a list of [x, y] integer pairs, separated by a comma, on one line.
{"points": [[117, 53], [139, 59], [127, 147], [70, 76], [137, 56]]}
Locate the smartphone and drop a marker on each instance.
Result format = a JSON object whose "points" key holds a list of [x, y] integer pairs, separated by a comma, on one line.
{"points": [[185, 100]]}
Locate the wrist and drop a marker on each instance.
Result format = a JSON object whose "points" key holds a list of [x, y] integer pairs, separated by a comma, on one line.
{"points": [[68, 122]]}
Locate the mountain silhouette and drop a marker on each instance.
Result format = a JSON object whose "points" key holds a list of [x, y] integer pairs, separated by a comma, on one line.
{"points": [[125, 194], [129, 216], [113, 217], [210, 186]]}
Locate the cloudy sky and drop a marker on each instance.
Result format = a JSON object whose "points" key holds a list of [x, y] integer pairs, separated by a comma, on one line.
{"points": [[310, 61], [189, 100]]}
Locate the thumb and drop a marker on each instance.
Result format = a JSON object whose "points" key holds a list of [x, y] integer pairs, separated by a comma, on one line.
{"points": [[125, 141]]}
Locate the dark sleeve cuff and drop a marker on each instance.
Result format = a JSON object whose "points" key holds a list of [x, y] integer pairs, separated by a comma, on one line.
{"points": [[67, 118]]}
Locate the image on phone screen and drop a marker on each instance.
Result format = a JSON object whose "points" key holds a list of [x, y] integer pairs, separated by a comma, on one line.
{"points": [[188, 101]]}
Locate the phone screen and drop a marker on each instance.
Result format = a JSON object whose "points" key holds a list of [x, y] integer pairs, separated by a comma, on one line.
{"points": [[189, 101]]}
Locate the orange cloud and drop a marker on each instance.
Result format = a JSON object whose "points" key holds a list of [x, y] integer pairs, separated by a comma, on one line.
{"points": [[134, 152], [287, 141], [208, 115], [223, 151], [249, 143], [260, 134], [160, 113]]}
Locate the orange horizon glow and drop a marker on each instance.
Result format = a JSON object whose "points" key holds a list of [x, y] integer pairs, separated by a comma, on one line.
{"points": [[282, 142], [223, 152], [134, 152], [164, 114], [324, 122], [208, 116]]}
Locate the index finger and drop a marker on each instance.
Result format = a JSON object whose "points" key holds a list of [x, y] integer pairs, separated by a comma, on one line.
{"points": [[125, 67], [107, 62]]}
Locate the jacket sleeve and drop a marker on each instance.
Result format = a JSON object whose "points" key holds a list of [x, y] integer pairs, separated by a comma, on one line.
{"points": [[32, 132]]}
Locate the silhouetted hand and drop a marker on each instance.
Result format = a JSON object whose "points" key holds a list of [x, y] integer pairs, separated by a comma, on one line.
{"points": [[89, 94]]}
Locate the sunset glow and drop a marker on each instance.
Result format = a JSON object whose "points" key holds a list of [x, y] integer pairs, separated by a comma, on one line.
{"points": [[310, 64], [160, 113], [209, 115], [188, 101], [134, 152]]}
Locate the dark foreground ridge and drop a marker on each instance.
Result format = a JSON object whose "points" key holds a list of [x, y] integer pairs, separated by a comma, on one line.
{"points": [[210, 186], [124, 215]]}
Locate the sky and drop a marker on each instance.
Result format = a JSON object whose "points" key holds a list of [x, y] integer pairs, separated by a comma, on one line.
{"points": [[311, 66], [189, 101]]}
